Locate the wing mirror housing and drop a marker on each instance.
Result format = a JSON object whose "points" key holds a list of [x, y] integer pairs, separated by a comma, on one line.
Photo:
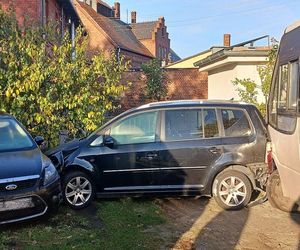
{"points": [[108, 141], [39, 140]]}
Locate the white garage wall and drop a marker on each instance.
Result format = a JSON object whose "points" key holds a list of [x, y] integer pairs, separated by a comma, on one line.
{"points": [[220, 84]]}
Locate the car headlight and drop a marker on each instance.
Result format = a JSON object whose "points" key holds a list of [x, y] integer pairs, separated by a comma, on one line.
{"points": [[50, 174]]}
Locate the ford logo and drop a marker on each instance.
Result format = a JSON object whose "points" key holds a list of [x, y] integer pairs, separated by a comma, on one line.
{"points": [[11, 187]]}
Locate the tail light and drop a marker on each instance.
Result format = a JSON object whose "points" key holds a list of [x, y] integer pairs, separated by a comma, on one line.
{"points": [[269, 157]]}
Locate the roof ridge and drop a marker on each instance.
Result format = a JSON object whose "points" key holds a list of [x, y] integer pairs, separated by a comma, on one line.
{"points": [[143, 22]]}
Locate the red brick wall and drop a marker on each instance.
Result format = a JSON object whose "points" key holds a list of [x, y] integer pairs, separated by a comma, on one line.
{"points": [[30, 9], [181, 84], [162, 41], [187, 84], [53, 10], [135, 60]]}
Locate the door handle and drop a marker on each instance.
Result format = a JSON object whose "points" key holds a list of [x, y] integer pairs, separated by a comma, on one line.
{"points": [[215, 150], [151, 156]]}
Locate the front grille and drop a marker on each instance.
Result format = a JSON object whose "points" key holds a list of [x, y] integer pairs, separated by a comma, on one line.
{"points": [[36, 208], [21, 185]]}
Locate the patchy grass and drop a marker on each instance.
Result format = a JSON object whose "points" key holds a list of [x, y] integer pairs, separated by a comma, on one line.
{"points": [[118, 224]]}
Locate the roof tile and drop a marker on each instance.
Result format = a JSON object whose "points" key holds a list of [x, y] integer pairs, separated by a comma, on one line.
{"points": [[118, 31]]}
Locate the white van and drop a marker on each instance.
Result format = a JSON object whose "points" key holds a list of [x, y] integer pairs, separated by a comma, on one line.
{"points": [[284, 123]]}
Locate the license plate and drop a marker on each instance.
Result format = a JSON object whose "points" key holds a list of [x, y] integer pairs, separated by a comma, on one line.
{"points": [[16, 204]]}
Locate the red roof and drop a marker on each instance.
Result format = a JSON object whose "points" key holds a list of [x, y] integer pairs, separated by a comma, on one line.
{"points": [[119, 32]]}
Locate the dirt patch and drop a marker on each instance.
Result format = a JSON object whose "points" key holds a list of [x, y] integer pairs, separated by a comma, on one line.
{"points": [[202, 224], [91, 215]]}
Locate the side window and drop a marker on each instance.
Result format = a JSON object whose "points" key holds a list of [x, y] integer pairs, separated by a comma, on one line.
{"points": [[288, 86], [235, 123], [284, 97], [140, 128], [283, 86], [210, 123], [183, 124], [293, 85]]}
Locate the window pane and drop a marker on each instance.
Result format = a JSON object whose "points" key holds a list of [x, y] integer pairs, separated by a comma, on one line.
{"points": [[286, 123], [183, 124], [273, 102], [12, 136], [283, 85], [293, 86], [139, 128], [210, 123], [235, 123]]}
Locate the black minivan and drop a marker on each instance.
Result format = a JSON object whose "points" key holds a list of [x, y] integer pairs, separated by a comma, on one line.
{"points": [[188, 147], [29, 182]]}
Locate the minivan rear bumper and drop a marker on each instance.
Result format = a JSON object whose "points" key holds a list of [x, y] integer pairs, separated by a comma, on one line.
{"points": [[30, 205]]}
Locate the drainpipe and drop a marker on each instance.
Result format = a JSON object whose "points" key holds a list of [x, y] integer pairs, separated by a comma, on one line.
{"points": [[62, 22], [73, 33], [118, 54], [43, 12]]}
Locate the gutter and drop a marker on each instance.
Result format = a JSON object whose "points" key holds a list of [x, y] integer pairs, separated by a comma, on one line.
{"points": [[226, 53]]}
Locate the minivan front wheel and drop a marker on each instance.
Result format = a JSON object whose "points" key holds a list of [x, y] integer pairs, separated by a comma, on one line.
{"points": [[78, 190], [232, 190]]}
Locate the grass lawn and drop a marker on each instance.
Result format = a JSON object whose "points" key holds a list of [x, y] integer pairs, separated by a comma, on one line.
{"points": [[118, 224]]}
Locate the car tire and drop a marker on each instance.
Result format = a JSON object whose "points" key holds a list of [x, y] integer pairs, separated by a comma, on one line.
{"points": [[232, 190], [78, 190], [275, 195]]}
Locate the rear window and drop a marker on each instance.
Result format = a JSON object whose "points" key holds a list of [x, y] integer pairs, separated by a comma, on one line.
{"points": [[235, 123], [13, 136]]}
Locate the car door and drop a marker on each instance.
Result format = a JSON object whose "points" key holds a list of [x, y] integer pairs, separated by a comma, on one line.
{"points": [[131, 163], [190, 147]]}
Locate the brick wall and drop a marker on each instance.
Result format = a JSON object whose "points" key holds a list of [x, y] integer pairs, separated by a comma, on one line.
{"points": [[29, 9], [134, 59], [162, 41], [181, 84]]}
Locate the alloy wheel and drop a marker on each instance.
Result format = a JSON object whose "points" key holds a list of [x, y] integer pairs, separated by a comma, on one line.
{"points": [[232, 191], [78, 191]]}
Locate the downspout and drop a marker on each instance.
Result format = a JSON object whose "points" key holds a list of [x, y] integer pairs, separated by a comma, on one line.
{"points": [[118, 54], [43, 12]]}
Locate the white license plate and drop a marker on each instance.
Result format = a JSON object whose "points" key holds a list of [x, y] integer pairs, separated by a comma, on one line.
{"points": [[16, 204]]}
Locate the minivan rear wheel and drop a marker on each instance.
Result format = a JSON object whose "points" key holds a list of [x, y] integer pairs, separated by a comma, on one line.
{"points": [[78, 190], [232, 190]]}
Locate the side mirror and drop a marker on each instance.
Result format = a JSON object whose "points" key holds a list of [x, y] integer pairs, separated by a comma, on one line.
{"points": [[108, 141], [39, 140]]}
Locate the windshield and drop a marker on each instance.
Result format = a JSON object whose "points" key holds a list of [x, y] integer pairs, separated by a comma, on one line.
{"points": [[13, 136]]}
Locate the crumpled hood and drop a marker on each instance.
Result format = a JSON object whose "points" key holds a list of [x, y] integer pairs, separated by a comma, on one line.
{"points": [[21, 163], [66, 148]]}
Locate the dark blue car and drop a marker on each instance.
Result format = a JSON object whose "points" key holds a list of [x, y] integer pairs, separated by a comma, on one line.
{"points": [[29, 183]]}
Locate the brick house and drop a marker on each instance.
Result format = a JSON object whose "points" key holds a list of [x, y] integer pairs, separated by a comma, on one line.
{"points": [[154, 36], [41, 12], [107, 33]]}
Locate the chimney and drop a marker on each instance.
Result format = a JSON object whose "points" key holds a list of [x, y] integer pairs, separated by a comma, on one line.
{"points": [[227, 38], [117, 9], [133, 17]]}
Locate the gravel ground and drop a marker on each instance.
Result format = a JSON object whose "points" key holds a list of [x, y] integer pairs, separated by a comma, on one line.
{"points": [[201, 224]]}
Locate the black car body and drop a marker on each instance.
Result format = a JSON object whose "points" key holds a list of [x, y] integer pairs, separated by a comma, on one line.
{"points": [[29, 183], [177, 147]]}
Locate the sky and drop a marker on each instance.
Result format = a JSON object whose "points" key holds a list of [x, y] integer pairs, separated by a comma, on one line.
{"points": [[197, 25]]}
